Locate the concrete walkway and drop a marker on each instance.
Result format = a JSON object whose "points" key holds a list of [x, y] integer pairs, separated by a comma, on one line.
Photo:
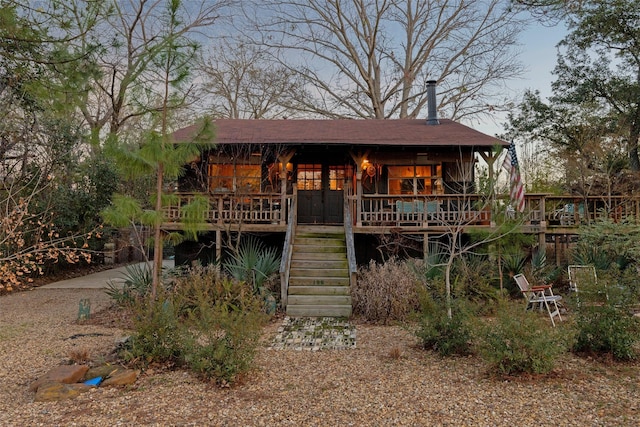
{"points": [[98, 280]]}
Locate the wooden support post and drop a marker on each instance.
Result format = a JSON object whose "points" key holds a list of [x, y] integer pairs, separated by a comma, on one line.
{"points": [[218, 245], [491, 158], [359, 196], [284, 159], [358, 159], [425, 247]]}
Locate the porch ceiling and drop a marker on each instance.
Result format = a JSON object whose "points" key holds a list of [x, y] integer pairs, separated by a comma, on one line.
{"points": [[405, 133]]}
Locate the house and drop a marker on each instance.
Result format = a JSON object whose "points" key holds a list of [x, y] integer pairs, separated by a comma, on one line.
{"points": [[321, 185], [325, 163], [320, 189]]}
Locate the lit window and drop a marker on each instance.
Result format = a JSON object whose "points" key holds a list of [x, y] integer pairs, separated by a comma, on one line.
{"points": [[337, 176], [309, 177], [243, 178], [426, 179]]}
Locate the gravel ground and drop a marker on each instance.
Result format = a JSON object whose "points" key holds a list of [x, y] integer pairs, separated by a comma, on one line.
{"points": [[384, 381]]}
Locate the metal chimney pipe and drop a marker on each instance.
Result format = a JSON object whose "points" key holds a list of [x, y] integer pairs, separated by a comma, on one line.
{"points": [[432, 110]]}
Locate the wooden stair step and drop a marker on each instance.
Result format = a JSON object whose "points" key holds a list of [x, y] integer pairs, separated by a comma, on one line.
{"points": [[315, 281], [318, 290], [319, 248], [308, 239], [322, 256], [319, 310], [308, 235], [319, 300], [319, 264], [320, 229], [319, 273]]}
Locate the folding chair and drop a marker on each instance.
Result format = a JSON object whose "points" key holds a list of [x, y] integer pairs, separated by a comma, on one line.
{"points": [[539, 296], [583, 278]]}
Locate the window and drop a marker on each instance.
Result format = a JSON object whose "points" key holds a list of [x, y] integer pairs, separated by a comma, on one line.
{"points": [[248, 178], [309, 177], [243, 178], [425, 179], [337, 175]]}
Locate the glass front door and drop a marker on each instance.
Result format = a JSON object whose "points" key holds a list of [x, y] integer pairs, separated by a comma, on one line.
{"points": [[321, 192]]}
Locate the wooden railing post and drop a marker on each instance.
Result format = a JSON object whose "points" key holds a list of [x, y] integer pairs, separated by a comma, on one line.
{"points": [[287, 252], [351, 250], [358, 196], [283, 200]]}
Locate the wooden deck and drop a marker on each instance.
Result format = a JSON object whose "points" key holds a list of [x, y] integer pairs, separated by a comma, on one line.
{"points": [[269, 212], [251, 212]]}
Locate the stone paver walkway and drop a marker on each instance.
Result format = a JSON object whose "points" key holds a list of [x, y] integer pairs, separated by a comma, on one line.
{"points": [[314, 334]]}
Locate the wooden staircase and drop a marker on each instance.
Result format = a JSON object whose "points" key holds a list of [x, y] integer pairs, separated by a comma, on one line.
{"points": [[319, 274]]}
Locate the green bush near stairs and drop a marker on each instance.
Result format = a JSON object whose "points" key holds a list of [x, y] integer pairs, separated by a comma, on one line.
{"points": [[206, 323]]}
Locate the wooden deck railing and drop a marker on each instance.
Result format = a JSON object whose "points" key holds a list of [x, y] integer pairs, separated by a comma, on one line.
{"points": [[473, 209], [572, 211], [416, 211], [287, 253], [263, 208], [349, 239], [402, 211]]}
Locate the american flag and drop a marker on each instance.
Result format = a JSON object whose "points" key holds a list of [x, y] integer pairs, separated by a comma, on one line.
{"points": [[517, 190]]}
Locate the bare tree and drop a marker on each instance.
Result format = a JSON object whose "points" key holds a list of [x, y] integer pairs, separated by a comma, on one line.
{"points": [[243, 82], [372, 59], [458, 223], [125, 84]]}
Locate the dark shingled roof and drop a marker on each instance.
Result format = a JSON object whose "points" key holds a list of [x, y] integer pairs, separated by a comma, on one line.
{"points": [[402, 132]]}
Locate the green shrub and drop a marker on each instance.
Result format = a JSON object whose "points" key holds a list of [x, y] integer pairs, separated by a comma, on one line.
{"points": [[604, 321], [253, 263], [607, 329], [473, 278], [520, 342], [438, 332], [386, 292], [157, 336], [224, 350], [206, 323], [137, 284], [223, 322]]}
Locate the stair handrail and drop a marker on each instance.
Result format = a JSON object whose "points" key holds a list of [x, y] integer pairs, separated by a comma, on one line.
{"points": [[351, 247], [287, 250]]}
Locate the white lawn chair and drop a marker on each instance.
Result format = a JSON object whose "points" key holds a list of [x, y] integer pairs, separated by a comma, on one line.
{"points": [[540, 297], [584, 278]]}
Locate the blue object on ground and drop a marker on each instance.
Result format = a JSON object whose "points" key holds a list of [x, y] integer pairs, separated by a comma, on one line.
{"points": [[94, 381]]}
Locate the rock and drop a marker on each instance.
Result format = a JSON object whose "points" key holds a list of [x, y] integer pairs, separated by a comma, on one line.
{"points": [[65, 374], [121, 377], [53, 392], [103, 371]]}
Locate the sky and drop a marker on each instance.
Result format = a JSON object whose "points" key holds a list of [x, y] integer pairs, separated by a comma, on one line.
{"points": [[538, 55]]}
